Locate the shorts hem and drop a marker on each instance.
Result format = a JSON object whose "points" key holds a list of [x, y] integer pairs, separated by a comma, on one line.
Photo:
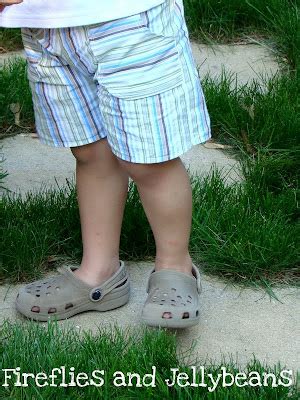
{"points": [[71, 144], [166, 157]]}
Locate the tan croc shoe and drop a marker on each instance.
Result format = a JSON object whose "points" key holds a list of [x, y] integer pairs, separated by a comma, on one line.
{"points": [[173, 299], [65, 295]]}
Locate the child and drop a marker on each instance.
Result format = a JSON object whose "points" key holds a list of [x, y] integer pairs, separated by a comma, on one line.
{"points": [[117, 83]]}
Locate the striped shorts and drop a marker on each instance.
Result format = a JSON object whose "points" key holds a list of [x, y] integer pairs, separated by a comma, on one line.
{"points": [[132, 80]]}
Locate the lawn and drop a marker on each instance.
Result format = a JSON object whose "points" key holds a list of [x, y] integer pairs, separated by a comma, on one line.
{"points": [[114, 353]]}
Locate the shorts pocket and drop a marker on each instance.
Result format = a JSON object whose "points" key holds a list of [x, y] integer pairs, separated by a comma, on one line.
{"points": [[137, 56], [44, 65]]}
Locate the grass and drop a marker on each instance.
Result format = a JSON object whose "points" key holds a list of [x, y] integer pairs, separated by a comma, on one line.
{"points": [[15, 90], [238, 231], [241, 232], [262, 125], [264, 115], [114, 350], [273, 21], [3, 173], [10, 39]]}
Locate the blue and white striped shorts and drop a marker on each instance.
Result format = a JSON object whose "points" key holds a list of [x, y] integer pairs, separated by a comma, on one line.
{"points": [[132, 80]]}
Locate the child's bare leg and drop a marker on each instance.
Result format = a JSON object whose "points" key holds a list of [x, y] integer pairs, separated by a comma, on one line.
{"points": [[166, 194], [102, 190]]}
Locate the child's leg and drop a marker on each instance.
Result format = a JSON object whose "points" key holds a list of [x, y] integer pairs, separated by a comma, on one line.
{"points": [[102, 190], [165, 192]]}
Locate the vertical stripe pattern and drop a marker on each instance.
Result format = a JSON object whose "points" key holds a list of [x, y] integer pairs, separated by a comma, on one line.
{"points": [[132, 80]]}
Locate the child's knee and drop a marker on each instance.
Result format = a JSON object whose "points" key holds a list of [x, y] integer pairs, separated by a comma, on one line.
{"points": [[92, 153]]}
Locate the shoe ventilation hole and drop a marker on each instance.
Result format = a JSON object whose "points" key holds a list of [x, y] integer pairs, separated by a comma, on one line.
{"points": [[197, 313], [35, 309], [185, 315], [52, 310], [69, 305], [121, 284]]}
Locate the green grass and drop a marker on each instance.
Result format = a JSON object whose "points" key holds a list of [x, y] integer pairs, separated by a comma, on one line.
{"points": [[239, 231], [15, 89], [243, 232], [3, 173], [10, 39], [257, 115], [261, 124], [114, 350], [274, 21]]}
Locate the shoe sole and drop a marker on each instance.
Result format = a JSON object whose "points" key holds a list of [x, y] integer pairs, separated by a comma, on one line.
{"points": [[168, 323]]}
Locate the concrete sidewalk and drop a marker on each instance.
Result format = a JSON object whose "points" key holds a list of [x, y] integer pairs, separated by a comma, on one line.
{"points": [[32, 165], [235, 324], [245, 61]]}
